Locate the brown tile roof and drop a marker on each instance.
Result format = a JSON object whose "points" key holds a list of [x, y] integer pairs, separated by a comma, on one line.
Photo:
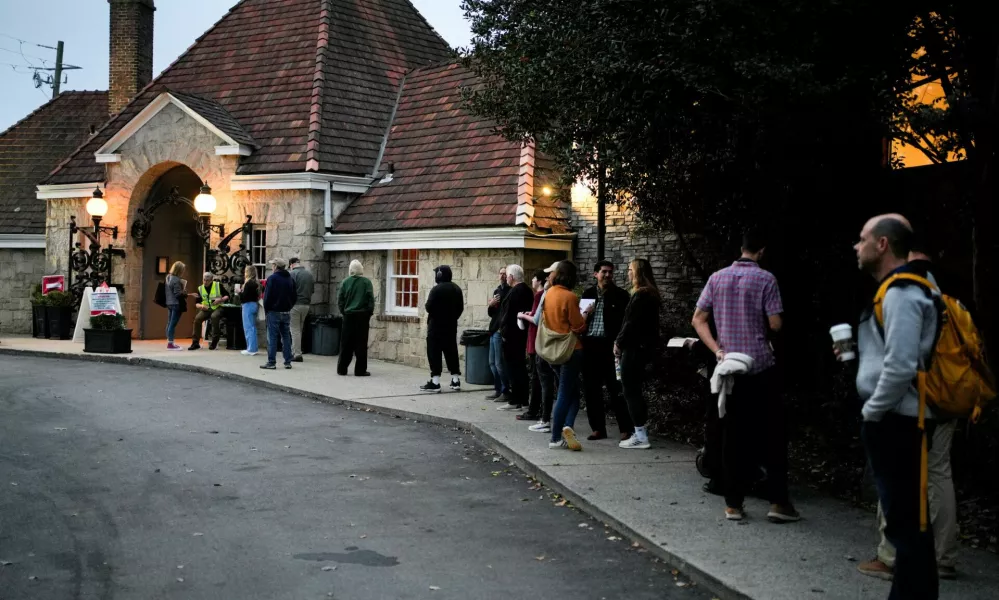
{"points": [[449, 167], [312, 81], [32, 147]]}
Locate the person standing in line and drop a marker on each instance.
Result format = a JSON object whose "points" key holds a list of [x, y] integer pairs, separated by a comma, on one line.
{"points": [[604, 323], [889, 359], [279, 298], [211, 296], [514, 335], [745, 302], [356, 300], [444, 306], [562, 315], [542, 375], [635, 344], [305, 284], [497, 365], [249, 297], [175, 295]]}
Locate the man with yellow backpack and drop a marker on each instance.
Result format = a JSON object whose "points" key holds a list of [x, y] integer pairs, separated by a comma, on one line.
{"points": [[921, 359]]}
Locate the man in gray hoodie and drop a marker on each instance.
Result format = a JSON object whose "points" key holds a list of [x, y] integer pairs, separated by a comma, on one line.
{"points": [[890, 357]]}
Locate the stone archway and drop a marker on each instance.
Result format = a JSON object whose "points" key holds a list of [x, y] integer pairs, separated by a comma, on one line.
{"points": [[170, 232]]}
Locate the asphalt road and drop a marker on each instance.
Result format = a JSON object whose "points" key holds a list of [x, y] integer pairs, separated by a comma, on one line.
{"points": [[122, 482]]}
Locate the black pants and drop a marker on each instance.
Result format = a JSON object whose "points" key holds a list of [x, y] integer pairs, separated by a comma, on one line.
{"points": [[893, 449], [598, 371], [633, 364], [542, 389], [445, 343], [515, 353], [754, 421], [354, 342]]}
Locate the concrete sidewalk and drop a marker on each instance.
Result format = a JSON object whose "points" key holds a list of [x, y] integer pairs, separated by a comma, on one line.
{"points": [[653, 496]]}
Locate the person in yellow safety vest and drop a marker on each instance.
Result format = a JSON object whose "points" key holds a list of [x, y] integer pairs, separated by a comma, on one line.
{"points": [[211, 296]]}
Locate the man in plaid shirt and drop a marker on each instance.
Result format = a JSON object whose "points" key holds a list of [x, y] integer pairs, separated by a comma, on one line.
{"points": [[745, 302]]}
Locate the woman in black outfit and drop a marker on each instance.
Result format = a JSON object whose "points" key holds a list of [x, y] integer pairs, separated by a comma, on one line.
{"points": [[635, 345]]}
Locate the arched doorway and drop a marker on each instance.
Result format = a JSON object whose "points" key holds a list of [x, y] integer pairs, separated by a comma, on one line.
{"points": [[173, 236]]}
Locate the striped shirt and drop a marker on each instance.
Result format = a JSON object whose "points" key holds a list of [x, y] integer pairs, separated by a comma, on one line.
{"points": [[740, 298]]}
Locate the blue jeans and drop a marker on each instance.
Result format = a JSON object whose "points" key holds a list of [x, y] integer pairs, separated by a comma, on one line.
{"points": [[173, 317], [250, 310], [278, 325], [497, 364], [567, 401]]}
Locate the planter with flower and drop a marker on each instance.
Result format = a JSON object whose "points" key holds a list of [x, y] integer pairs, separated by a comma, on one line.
{"points": [[107, 335]]}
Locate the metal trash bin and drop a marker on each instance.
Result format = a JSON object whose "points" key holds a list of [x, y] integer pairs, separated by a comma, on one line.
{"points": [[476, 343]]}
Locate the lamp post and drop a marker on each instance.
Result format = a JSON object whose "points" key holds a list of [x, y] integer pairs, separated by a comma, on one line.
{"points": [[95, 259], [205, 204]]}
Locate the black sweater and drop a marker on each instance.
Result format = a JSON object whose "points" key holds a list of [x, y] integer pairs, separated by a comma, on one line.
{"points": [[519, 299], [640, 328], [445, 304], [250, 292]]}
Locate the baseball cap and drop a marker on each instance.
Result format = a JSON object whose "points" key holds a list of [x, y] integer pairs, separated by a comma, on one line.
{"points": [[552, 268]]}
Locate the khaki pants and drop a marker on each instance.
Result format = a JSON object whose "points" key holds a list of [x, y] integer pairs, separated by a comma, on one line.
{"points": [[943, 503], [298, 314], [213, 318]]}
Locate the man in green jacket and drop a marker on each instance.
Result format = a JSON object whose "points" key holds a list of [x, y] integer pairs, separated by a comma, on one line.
{"points": [[356, 300]]}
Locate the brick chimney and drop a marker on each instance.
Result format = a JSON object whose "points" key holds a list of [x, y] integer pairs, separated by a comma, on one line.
{"points": [[131, 64]]}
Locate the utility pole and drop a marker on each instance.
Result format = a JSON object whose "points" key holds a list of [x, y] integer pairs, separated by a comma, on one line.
{"points": [[57, 81], [601, 208]]}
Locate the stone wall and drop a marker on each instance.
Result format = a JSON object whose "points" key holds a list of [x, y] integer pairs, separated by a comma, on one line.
{"points": [[403, 339], [677, 281], [20, 271]]}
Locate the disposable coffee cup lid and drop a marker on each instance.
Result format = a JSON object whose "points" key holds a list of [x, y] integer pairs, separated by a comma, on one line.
{"points": [[840, 327]]}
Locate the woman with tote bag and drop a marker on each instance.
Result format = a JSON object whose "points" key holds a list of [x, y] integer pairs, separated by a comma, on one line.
{"points": [[249, 297], [560, 325], [175, 299]]}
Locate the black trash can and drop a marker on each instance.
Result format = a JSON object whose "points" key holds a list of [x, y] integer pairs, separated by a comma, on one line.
{"points": [[326, 335], [476, 343]]}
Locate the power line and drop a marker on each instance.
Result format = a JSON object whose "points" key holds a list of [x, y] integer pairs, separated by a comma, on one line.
{"points": [[25, 56]]}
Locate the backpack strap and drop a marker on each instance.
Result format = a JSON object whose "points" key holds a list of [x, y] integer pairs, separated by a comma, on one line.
{"points": [[879, 297]]}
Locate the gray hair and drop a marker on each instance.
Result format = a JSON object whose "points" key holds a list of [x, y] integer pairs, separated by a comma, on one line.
{"points": [[515, 271], [356, 268], [279, 263], [208, 275]]}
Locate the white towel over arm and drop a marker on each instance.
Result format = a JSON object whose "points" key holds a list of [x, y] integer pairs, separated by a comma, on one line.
{"points": [[723, 380]]}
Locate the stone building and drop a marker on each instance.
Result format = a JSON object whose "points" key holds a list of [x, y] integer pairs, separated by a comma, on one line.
{"points": [[325, 129]]}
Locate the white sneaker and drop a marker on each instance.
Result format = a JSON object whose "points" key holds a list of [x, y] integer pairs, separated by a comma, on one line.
{"points": [[509, 407], [559, 445], [247, 353], [634, 442], [541, 427]]}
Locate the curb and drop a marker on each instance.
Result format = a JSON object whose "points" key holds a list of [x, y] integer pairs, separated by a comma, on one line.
{"points": [[701, 577]]}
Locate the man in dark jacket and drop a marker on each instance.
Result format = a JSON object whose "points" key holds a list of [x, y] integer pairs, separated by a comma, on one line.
{"points": [[279, 298], [519, 299], [603, 325], [496, 362], [445, 304]]}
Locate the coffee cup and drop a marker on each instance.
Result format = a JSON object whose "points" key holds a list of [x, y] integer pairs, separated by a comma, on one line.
{"points": [[842, 336]]}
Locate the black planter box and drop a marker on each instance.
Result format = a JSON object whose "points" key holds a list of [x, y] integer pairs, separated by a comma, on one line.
{"points": [[107, 341], [39, 322], [60, 321]]}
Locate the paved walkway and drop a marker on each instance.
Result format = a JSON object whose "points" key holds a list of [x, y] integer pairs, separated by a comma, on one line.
{"points": [[654, 497]]}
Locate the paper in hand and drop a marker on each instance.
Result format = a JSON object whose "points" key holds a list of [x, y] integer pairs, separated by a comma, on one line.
{"points": [[584, 304]]}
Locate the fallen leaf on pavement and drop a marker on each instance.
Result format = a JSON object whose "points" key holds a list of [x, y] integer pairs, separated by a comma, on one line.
{"points": [[198, 534], [363, 536], [542, 557], [180, 579], [434, 588], [60, 429], [562, 503], [582, 525], [636, 545], [328, 568], [613, 538], [5, 563]]}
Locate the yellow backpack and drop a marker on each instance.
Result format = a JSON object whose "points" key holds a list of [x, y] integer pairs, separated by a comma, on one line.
{"points": [[957, 382]]}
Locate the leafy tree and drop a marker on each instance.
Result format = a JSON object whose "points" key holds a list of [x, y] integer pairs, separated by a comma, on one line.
{"points": [[707, 116]]}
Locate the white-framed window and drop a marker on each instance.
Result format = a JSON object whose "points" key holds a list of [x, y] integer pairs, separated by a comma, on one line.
{"points": [[258, 251], [403, 285]]}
